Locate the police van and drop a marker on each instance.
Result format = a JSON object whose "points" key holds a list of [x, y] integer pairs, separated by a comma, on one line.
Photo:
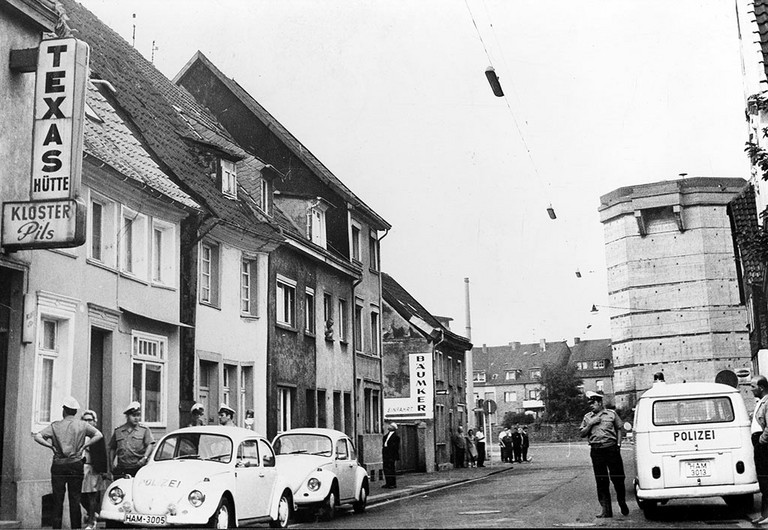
{"points": [[693, 440]]}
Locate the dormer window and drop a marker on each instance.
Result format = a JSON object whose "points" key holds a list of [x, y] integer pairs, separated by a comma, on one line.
{"points": [[316, 223], [228, 176], [266, 196]]}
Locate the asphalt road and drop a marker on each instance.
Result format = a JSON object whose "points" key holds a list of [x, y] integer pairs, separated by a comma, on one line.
{"points": [[556, 490]]}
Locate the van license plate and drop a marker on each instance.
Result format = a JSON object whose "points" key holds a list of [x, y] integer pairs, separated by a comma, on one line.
{"points": [[142, 519], [698, 468]]}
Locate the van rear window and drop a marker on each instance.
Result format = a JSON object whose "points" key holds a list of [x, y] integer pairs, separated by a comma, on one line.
{"points": [[688, 411]]}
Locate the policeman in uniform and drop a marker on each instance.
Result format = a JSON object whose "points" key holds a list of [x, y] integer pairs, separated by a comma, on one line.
{"points": [[227, 415], [131, 443], [198, 411]]}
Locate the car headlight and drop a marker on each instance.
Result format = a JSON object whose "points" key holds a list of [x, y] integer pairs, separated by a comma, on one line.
{"points": [[313, 484], [196, 498], [116, 495]]}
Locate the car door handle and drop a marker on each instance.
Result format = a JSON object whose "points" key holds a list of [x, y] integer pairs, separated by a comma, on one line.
{"points": [[261, 475]]}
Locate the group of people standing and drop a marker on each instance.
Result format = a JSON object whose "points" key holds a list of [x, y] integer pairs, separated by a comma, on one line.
{"points": [[514, 444], [469, 448]]}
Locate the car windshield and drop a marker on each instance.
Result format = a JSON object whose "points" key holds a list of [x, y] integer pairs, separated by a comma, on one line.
{"points": [[195, 446], [698, 410], [310, 444]]}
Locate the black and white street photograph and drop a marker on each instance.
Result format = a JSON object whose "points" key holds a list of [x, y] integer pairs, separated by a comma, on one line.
{"points": [[383, 264]]}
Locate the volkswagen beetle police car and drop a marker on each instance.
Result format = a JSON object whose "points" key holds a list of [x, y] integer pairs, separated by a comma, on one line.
{"points": [[210, 475], [693, 440], [322, 468]]}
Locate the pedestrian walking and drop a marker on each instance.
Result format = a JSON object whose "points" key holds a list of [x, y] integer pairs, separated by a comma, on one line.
{"points": [[67, 438], [602, 428], [471, 448], [525, 444], [480, 443], [198, 415], [226, 415], [390, 454], [95, 466], [131, 443], [517, 444], [759, 386], [459, 442]]}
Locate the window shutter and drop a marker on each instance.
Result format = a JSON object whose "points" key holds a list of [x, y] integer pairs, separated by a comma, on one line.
{"points": [[254, 290], [215, 275]]}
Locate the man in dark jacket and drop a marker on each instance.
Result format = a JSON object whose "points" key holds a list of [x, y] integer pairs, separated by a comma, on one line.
{"points": [[390, 453], [517, 444], [526, 443]]}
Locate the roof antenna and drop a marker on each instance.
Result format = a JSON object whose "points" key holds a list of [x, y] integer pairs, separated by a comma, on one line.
{"points": [[133, 42], [154, 48]]}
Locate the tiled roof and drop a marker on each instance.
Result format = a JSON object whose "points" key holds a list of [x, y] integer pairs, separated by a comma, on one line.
{"points": [[407, 306], [761, 17], [743, 212], [497, 360], [285, 136], [112, 142], [593, 350], [160, 112]]}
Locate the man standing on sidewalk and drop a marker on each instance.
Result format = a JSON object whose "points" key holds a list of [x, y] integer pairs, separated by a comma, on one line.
{"points": [[759, 386], [390, 453], [602, 428], [480, 441], [67, 439]]}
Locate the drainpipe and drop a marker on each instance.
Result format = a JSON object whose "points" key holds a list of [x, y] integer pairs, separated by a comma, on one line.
{"points": [[355, 395], [434, 395]]}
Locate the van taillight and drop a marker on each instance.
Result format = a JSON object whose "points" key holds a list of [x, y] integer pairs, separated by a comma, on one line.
{"points": [[739, 467], [655, 471]]}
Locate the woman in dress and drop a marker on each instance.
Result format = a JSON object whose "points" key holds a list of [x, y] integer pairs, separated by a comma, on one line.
{"points": [[471, 448]]}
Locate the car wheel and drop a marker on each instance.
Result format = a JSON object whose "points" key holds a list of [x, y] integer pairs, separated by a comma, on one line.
{"points": [[284, 511], [360, 504], [648, 507], [113, 524], [329, 507], [221, 517]]}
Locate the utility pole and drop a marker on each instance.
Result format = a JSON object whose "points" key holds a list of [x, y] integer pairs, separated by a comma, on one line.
{"points": [[470, 401]]}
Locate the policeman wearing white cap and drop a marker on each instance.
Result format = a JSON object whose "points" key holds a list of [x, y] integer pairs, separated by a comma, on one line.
{"points": [[227, 415], [67, 439], [197, 411], [131, 443]]}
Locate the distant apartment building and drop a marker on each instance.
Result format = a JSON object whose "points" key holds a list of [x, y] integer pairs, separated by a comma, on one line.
{"points": [[594, 366], [673, 288]]}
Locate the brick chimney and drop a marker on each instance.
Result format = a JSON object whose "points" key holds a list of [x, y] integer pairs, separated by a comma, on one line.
{"points": [[514, 345], [543, 344], [485, 348], [576, 340]]}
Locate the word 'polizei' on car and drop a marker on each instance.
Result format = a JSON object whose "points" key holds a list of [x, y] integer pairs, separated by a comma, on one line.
{"points": [[212, 475], [322, 469]]}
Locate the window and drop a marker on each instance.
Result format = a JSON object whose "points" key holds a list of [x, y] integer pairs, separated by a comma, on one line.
{"points": [[372, 409], [284, 408], [148, 378], [478, 377], [97, 230], [309, 311], [316, 223], [599, 365], [341, 450], [133, 243], [230, 387], [248, 453], [460, 373], [599, 385], [358, 338], [267, 455], [209, 274], [248, 275], [228, 174], [375, 333], [449, 365], [510, 375], [356, 242], [48, 351], [510, 397], [286, 301], [266, 196], [534, 394], [582, 365], [373, 251], [342, 320], [535, 373], [322, 409], [101, 231], [698, 410], [163, 253], [328, 315], [246, 390], [338, 416]]}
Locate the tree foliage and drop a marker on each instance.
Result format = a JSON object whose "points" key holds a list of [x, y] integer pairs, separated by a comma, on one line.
{"points": [[563, 400], [515, 418]]}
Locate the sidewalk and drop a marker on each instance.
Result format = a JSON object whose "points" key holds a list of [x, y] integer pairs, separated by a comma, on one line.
{"points": [[415, 483]]}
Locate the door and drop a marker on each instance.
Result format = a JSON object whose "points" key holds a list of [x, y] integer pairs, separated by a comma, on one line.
{"points": [[248, 495], [267, 477], [100, 340], [345, 469]]}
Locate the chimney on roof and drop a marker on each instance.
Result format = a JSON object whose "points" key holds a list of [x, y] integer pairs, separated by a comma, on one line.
{"points": [[514, 345], [485, 348], [576, 340], [543, 345]]}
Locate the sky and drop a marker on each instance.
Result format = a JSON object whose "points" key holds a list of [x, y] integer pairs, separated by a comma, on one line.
{"points": [[391, 96]]}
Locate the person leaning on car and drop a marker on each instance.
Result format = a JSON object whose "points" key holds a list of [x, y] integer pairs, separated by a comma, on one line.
{"points": [[131, 443]]}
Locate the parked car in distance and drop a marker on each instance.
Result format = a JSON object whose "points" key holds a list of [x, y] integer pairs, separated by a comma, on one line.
{"points": [[322, 468], [211, 475]]}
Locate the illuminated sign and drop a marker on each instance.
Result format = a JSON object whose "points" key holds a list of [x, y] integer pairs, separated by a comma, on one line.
{"points": [[420, 404], [43, 224], [57, 144]]}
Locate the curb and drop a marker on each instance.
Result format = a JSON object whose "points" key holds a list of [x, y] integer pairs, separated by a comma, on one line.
{"points": [[418, 490]]}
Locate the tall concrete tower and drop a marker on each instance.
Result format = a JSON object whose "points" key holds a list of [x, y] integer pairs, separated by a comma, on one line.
{"points": [[672, 283]]}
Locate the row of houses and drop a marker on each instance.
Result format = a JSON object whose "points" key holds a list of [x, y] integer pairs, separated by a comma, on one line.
{"points": [[210, 258]]}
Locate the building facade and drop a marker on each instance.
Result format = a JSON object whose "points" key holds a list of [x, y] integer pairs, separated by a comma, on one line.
{"points": [[593, 360], [674, 293]]}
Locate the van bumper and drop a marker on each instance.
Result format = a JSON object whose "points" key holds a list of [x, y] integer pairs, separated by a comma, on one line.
{"points": [[697, 491]]}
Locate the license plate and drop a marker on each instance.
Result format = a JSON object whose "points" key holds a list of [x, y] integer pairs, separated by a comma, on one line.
{"points": [[698, 468], [150, 520]]}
